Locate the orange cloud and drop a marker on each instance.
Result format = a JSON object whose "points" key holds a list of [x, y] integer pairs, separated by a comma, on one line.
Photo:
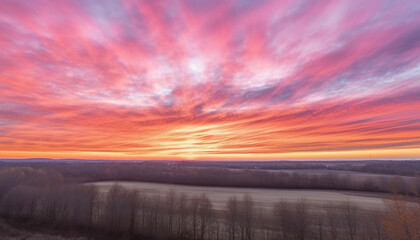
{"points": [[209, 80]]}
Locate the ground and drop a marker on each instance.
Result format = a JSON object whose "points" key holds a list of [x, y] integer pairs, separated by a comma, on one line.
{"points": [[263, 197], [8, 232]]}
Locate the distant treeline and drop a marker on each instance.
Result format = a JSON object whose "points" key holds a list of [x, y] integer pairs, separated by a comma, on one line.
{"points": [[390, 167], [43, 198], [402, 168], [393, 167], [200, 176]]}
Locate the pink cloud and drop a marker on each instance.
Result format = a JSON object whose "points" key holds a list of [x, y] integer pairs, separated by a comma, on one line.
{"points": [[208, 79]]}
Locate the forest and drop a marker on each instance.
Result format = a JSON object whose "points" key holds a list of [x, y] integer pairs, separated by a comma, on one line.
{"points": [[221, 174], [45, 197]]}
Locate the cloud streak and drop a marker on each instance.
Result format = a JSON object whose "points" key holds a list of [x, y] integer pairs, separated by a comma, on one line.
{"points": [[210, 79]]}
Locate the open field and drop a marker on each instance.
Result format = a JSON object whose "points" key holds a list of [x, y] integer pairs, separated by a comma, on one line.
{"points": [[263, 197]]}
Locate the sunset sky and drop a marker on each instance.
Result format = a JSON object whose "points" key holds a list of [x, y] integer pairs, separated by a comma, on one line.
{"points": [[210, 79]]}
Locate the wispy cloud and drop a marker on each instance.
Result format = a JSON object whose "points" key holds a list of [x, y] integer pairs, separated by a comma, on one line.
{"points": [[210, 79]]}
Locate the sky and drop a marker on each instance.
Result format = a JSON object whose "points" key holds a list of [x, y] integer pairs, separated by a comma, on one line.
{"points": [[210, 79]]}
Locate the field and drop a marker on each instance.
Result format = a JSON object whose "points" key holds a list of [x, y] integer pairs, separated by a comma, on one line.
{"points": [[263, 197]]}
